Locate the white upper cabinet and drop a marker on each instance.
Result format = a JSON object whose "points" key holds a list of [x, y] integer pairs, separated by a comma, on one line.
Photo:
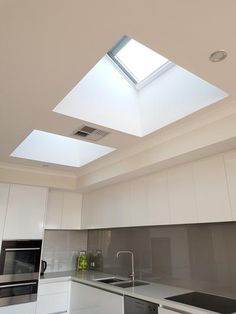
{"points": [[182, 198], [25, 212], [4, 192], [108, 207], [157, 210], [71, 211], [63, 210], [230, 166], [138, 202], [196, 192], [211, 190]]}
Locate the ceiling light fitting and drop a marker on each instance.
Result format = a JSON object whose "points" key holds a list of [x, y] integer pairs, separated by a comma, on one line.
{"points": [[218, 55]]}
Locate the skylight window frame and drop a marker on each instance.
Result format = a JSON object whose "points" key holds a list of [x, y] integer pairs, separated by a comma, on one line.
{"points": [[127, 73]]}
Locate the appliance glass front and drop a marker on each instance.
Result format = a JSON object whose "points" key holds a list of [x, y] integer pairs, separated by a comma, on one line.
{"points": [[15, 293], [20, 260]]}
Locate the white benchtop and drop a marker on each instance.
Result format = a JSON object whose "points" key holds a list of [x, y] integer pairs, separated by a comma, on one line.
{"points": [[153, 292]]}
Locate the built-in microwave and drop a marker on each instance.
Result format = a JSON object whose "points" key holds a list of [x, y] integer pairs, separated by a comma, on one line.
{"points": [[20, 260]]}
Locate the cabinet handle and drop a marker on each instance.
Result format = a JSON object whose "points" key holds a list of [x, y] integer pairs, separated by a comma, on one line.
{"points": [[22, 249], [18, 285]]}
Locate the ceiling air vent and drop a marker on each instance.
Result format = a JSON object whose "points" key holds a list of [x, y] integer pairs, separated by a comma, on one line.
{"points": [[90, 134]]}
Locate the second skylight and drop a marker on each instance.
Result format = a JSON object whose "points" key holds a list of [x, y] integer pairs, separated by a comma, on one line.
{"points": [[138, 62]]}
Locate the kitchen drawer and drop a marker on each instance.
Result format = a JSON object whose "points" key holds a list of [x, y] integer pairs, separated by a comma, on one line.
{"points": [[52, 303], [53, 288], [25, 308]]}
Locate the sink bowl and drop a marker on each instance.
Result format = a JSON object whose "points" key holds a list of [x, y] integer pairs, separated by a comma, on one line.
{"points": [[129, 284], [109, 280]]}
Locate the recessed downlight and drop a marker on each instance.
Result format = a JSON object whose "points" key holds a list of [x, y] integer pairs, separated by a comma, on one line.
{"points": [[218, 56]]}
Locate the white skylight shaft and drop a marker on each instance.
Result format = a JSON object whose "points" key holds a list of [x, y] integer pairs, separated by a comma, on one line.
{"points": [[139, 60], [57, 149]]}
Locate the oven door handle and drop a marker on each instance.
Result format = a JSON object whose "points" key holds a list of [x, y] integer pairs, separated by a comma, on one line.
{"points": [[19, 284], [22, 249]]}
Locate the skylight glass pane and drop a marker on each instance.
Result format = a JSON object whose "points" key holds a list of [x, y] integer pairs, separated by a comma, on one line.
{"points": [[139, 60]]}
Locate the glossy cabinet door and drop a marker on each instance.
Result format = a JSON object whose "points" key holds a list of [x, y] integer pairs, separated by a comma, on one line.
{"points": [[25, 212], [182, 198], [54, 209], [139, 202], [157, 211], [196, 192], [163, 310], [63, 210], [212, 196], [53, 297], [25, 308], [4, 193], [230, 167], [71, 213], [88, 300]]}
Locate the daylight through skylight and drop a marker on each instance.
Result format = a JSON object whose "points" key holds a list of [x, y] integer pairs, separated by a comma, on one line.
{"points": [[137, 61], [58, 149]]}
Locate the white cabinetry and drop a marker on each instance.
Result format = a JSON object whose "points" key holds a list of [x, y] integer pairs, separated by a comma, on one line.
{"points": [[25, 308], [107, 207], [230, 166], [156, 211], [163, 310], [89, 300], [64, 210], [182, 198], [211, 190], [4, 192], [197, 192], [139, 202], [53, 297], [25, 212]]}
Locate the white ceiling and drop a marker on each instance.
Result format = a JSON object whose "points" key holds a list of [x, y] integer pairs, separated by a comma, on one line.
{"points": [[48, 46]]}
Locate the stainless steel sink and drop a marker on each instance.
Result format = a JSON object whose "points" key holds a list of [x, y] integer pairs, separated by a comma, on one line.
{"points": [[110, 280], [122, 283], [131, 283]]}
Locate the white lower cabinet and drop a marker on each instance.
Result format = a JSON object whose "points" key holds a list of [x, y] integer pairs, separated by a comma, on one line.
{"points": [[25, 308], [53, 298], [162, 310], [88, 300]]}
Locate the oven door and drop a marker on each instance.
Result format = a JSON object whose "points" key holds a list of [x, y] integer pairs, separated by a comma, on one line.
{"points": [[20, 260], [17, 293]]}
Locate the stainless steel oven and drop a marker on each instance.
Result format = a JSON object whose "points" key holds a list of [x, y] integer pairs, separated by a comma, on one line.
{"points": [[20, 260], [18, 292]]}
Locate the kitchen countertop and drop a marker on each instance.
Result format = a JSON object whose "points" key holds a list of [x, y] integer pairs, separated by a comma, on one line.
{"points": [[153, 292]]}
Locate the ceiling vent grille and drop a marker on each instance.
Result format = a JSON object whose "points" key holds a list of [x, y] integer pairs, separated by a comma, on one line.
{"points": [[91, 134]]}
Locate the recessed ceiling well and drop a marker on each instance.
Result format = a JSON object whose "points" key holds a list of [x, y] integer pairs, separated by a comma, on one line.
{"points": [[57, 149], [106, 98]]}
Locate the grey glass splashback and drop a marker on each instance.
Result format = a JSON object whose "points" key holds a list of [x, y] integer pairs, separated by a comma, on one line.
{"points": [[200, 257], [61, 247]]}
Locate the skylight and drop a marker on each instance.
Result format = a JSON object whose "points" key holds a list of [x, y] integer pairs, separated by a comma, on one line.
{"points": [[58, 149], [138, 62]]}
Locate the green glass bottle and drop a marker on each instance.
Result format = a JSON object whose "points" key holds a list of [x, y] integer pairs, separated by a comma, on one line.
{"points": [[82, 263]]}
